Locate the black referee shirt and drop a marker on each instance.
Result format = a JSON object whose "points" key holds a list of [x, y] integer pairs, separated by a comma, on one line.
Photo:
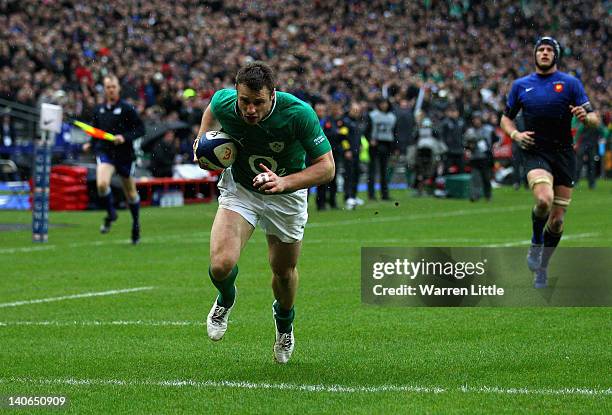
{"points": [[120, 118]]}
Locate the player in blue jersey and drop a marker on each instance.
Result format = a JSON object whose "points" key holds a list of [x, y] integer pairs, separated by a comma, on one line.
{"points": [[549, 99], [266, 185]]}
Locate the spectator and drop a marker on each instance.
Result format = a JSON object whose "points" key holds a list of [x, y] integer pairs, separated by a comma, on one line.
{"points": [[382, 136], [355, 124], [429, 153], [346, 51], [587, 144], [479, 139], [326, 193], [406, 135], [451, 133], [164, 155], [190, 112]]}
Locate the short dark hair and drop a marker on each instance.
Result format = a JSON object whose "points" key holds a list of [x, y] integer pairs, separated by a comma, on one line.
{"points": [[256, 75], [379, 101]]}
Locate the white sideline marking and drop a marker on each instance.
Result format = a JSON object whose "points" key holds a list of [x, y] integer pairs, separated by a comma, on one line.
{"points": [[177, 383], [27, 249], [528, 241], [199, 235], [152, 239], [485, 243], [205, 235], [101, 323], [70, 297], [418, 216]]}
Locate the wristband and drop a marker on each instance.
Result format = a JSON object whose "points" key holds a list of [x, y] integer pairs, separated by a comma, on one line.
{"points": [[513, 134]]}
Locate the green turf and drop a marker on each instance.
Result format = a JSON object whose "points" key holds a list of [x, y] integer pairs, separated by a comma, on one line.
{"points": [[339, 340]]}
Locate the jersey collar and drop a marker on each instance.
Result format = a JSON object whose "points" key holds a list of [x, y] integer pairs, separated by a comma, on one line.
{"points": [[271, 109]]}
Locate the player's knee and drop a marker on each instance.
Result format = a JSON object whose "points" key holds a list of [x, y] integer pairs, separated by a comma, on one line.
{"points": [[133, 197], [220, 268], [544, 203], [103, 188], [556, 224], [285, 272]]}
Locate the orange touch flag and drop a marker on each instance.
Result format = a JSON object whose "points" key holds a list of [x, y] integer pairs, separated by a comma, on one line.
{"points": [[94, 132]]}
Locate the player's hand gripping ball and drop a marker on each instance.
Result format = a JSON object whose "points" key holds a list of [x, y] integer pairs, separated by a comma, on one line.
{"points": [[215, 150]]}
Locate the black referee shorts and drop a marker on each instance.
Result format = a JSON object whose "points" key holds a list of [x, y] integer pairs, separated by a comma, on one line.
{"points": [[561, 164]]}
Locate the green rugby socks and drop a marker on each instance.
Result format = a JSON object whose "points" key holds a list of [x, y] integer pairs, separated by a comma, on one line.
{"points": [[226, 288], [284, 318]]}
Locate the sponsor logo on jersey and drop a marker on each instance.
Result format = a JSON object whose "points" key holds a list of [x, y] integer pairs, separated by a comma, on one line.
{"points": [[319, 140], [117, 111], [277, 146], [558, 87]]}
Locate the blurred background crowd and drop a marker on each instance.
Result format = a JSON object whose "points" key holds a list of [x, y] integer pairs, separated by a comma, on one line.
{"points": [[441, 65]]}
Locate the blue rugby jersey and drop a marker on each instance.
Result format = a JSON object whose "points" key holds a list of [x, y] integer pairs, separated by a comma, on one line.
{"points": [[545, 101]]}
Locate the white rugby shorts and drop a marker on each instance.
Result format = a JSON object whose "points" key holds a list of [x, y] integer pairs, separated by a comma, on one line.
{"points": [[283, 215]]}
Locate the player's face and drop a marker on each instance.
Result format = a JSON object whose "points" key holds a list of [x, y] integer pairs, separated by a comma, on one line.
{"points": [[355, 110], [545, 54], [321, 110], [111, 89], [254, 105], [337, 110]]}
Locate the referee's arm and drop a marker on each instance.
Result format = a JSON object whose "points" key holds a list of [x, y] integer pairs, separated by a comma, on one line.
{"points": [[94, 122]]}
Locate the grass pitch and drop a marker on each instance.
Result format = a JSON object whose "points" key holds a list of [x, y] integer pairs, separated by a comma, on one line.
{"points": [[146, 350]]}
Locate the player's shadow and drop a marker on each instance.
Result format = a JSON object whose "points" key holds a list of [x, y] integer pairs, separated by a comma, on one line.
{"points": [[548, 292]]}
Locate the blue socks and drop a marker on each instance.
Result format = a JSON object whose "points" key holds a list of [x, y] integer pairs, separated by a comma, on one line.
{"points": [[106, 201], [135, 210]]}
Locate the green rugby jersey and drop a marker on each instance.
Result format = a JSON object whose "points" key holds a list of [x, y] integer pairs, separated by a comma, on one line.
{"points": [[280, 141]]}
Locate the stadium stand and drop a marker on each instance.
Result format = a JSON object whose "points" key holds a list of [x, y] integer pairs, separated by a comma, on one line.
{"points": [[171, 56]]}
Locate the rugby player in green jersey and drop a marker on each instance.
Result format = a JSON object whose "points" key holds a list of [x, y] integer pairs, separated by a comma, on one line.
{"points": [[266, 185]]}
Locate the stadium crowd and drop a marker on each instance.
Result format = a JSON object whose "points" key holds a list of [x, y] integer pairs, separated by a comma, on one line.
{"points": [[170, 57]]}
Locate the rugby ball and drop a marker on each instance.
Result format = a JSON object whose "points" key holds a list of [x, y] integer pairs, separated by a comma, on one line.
{"points": [[216, 150]]}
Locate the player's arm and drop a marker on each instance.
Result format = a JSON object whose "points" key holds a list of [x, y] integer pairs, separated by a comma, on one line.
{"points": [[307, 128], [592, 119], [523, 138], [588, 118], [583, 110], [320, 171], [208, 123]]}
